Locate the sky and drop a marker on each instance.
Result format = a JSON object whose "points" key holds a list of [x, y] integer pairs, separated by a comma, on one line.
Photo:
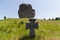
{"points": [[43, 8]]}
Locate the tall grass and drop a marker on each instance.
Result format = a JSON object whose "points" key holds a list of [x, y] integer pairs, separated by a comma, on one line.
{"points": [[14, 29]]}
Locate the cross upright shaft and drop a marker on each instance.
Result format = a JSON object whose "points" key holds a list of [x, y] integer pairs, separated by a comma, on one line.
{"points": [[32, 32]]}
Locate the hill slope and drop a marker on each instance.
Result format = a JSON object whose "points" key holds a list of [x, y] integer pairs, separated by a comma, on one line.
{"points": [[14, 29]]}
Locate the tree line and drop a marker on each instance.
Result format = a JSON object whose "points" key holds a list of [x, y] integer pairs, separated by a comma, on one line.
{"points": [[57, 18]]}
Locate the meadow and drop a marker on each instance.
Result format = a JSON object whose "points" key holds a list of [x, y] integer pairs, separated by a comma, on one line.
{"points": [[15, 29]]}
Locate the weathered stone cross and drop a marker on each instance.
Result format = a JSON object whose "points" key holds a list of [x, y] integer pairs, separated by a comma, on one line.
{"points": [[32, 25]]}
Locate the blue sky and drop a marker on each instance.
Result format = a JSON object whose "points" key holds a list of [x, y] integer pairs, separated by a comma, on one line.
{"points": [[44, 8]]}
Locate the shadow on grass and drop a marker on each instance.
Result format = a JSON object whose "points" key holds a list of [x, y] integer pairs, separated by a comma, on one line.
{"points": [[39, 37], [26, 38]]}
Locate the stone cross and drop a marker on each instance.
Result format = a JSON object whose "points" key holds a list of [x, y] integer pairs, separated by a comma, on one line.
{"points": [[32, 25]]}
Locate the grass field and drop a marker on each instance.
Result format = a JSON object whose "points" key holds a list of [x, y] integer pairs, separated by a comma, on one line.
{"points": [[14, 29]]}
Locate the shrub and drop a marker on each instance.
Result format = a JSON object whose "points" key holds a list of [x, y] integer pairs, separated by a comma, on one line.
{"points": [[4, 17], [57, 18]]}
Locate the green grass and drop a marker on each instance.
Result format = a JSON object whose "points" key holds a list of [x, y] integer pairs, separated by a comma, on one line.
{"points": [[13, 29]]}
